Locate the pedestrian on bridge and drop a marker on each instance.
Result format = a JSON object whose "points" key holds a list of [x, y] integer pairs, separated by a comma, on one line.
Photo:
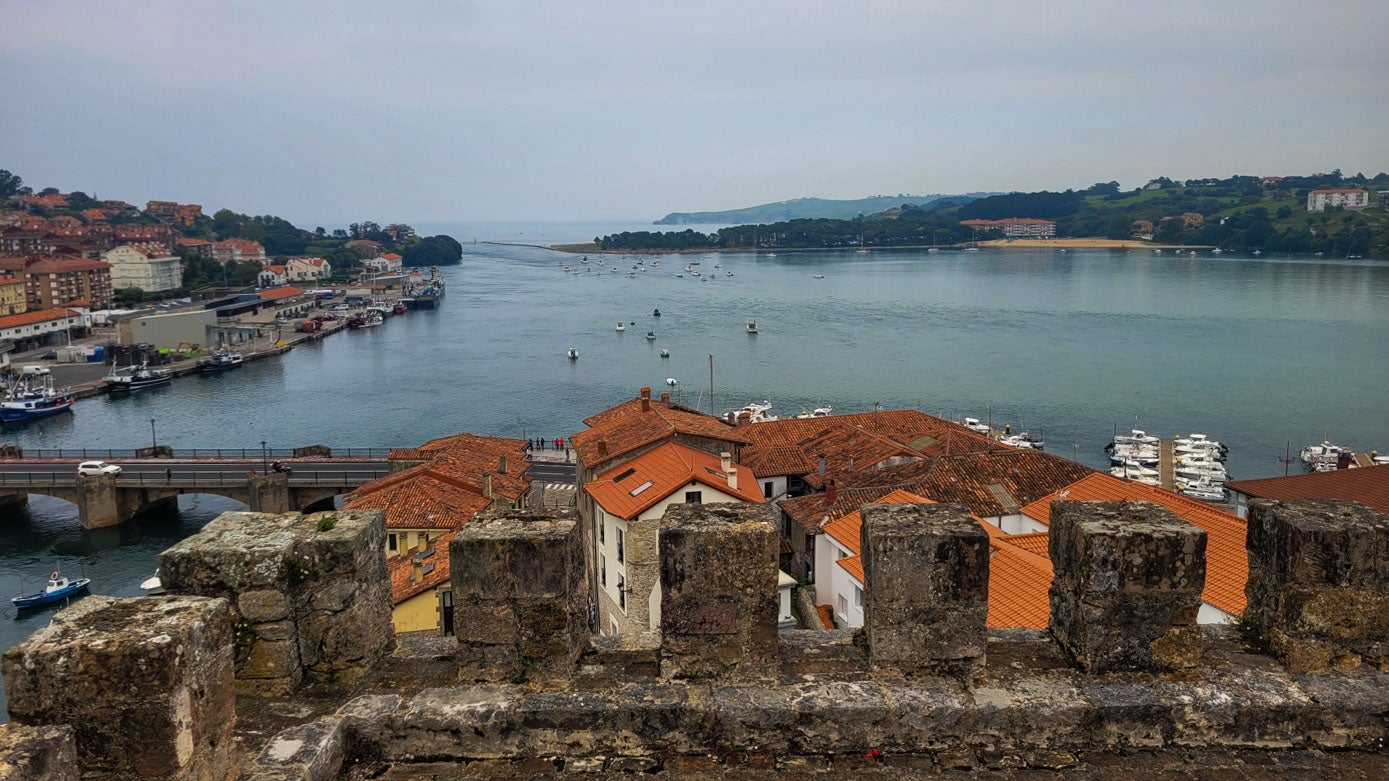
{"points": [[169, 475]]}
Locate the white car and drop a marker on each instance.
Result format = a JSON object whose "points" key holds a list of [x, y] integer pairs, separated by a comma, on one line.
{"points": [[87, 468]]}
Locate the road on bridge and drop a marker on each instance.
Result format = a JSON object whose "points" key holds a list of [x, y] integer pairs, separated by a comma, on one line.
{"points": [[166, 471]]}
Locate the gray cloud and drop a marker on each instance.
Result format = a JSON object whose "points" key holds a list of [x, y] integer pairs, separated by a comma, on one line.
{"points": [[327, 112]]}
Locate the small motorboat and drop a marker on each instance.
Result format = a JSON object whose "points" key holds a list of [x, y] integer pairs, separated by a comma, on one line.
{"points": [[399, 308], [976, 425], [1134, 437], [1325, 453], [752, 412], [621, 327], [818, 412], [819, 276], [650, 336], [655, 313], [672, 382], [665, 353], [219, 362], [752, 326], [58, 589], [573, 354], [152, 585]]}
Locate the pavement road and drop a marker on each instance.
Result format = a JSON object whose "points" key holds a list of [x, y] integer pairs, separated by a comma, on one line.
{"points": [[549, 472], [155, 471]]}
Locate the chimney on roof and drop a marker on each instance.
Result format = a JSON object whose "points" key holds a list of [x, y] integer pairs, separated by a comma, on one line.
{"points": [[417, 570], [822, 464], [851, 463], [646, 392], [602, 447], [486, 485], [729, 470], [501, 464], [665, 397], [726, 460], [831, 494]]}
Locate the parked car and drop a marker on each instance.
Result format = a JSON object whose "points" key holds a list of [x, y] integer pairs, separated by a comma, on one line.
{"points": [[51, 355], [89, 468]]}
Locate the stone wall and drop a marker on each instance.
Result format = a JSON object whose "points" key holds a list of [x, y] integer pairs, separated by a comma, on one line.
{"points": [[145, 684], [48, 753], [310, 594]]}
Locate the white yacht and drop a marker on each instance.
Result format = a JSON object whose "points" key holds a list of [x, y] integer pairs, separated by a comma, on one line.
{"points": [[621, 327], [1325, 453], [752, 326], [974, 424], [752, 412], [818, 412]]}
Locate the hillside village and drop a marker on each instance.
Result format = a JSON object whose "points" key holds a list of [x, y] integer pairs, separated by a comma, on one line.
{"points": [[69, 261]]}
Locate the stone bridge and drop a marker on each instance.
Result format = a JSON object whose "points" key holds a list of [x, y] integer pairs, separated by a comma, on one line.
{"points": [[147, 483]]}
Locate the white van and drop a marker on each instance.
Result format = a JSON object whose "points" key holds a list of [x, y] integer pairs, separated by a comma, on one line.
{"points": [[34, 371]]}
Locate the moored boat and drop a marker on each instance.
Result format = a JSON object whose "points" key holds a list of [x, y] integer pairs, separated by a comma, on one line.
{"points": [[27, 402], [132, 378], [752, 326], [219, 362], [58, 589]]}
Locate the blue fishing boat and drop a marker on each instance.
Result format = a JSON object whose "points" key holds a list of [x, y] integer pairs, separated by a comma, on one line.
{"points": [[31, 402], [58, 589]]}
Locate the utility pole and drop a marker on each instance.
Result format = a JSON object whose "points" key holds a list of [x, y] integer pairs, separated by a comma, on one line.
{"points": [[711, 384], [1287, 456]]}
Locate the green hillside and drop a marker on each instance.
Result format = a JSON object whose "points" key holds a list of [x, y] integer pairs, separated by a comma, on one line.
{"points": [[808, 208]]}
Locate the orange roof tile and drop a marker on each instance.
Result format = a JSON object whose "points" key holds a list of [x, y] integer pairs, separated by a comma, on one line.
{"points": [[37, 316], [1018, 579], [436, 564], [276, 293], [629, 426], [809, 511], [852, 565], [667, 469], [1227, 562], [990, 484], [1032, 542], [420, 498], [1367, 485], [773, 461]]}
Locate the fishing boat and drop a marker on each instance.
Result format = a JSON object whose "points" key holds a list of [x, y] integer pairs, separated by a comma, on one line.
{"points": [[752, 326], [621, 327], [665, 353], [399, 308], [58, 589], [29, 402], [133, 378], [374, 318], [428, 298], [650, 336], [219, 362], [356, 321], [573, 354], [655, 313]]}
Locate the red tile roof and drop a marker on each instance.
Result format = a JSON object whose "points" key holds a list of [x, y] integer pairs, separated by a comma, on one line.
{"points": [[990, 484], [1367, 485], [667, 469], [402, 569], [1018, 579], [774, 461], [421, 498], [37, 316], [1227, 562], [276, 293], [629, 426]]}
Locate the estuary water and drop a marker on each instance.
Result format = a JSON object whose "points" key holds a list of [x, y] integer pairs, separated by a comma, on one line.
{"points": [[1256, 352]]}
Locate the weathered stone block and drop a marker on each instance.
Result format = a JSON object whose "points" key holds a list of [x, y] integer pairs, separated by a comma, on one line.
{"points": [[312, 752], [926, 579], [718, 590], [146, 684], [1127, 586], [48, 752], [1318, 586], [518, 595], [309, 600]]}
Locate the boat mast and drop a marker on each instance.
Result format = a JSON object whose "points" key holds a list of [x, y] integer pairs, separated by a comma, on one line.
{"points": [[711, 383]]}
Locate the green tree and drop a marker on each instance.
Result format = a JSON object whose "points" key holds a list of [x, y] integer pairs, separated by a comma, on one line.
{"points": [[10, 184], [433, 251]]}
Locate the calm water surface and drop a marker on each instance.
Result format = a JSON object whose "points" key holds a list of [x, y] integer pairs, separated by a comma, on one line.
{"points": [[1255, 352]]}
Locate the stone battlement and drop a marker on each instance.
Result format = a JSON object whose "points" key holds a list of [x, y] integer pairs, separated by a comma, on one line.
{"points": [[1123, 670]]}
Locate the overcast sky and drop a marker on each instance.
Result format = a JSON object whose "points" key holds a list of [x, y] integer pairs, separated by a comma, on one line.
{"points": [[330, 112]]}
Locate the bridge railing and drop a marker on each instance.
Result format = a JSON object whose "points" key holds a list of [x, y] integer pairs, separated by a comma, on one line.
{"points": [[89, 453], [195, 479]]}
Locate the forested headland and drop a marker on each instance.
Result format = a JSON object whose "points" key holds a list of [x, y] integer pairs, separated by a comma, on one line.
{"points": [[1240, 213]]}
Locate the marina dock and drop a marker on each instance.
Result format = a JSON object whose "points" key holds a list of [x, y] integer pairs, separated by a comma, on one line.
{"points": [[1166, 464]]}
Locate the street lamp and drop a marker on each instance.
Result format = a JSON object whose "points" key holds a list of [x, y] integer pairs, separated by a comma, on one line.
{"points": [[264, 459], [153, 441]]}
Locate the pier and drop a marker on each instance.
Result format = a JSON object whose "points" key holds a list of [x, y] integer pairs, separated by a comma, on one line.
{"points": [[1166, 464]]}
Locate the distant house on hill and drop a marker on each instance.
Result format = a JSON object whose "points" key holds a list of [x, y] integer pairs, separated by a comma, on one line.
{"points": [[1017, 227], [1348, 198]]}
